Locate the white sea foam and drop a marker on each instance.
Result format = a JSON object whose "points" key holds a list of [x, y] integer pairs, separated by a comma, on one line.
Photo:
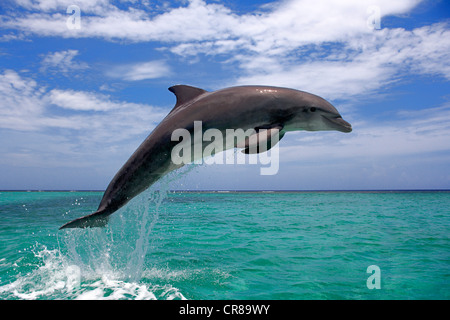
{"points": [[99, 263], [55, 278]]}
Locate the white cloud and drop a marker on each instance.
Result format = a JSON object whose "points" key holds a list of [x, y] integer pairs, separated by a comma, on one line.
{"points": [[81, 101], [361, 65], [91, 6], [288, 24], [62, 61], [321, 46], [108, 21], [331, 79], [58, 130], [90, 118], [20, 100], [432, 51], [140, 71]]}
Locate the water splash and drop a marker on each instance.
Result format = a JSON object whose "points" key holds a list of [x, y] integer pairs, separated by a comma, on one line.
{"points": [[54, 277], [119, 250], [145, 226], [100, 263]]}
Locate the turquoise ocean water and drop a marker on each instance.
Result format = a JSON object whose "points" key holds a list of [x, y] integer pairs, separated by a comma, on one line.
{"points": [[227, 245]]}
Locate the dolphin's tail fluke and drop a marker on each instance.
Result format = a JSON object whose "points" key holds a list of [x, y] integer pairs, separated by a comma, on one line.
{"points": [[93, 220]]}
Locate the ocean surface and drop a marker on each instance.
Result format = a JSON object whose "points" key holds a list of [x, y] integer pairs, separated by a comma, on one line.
{"points": [[228, 245]]}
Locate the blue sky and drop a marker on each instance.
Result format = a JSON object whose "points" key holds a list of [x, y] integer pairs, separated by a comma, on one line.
{"points": [[75, 103]]}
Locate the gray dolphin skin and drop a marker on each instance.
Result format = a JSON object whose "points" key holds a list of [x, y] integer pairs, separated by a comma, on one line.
{"points": [[243, 107]]}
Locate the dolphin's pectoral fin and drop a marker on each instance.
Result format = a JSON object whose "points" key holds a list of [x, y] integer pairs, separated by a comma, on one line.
{"points": [[263, 141], [185, 93]]}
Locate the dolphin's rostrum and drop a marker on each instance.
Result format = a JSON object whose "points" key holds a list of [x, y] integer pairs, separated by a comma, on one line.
{"points": [[244, 107]]}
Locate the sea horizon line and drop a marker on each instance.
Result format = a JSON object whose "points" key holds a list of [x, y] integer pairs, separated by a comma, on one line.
{"points": [[240, 190]]}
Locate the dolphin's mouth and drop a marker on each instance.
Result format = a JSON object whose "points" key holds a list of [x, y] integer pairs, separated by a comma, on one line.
{"points": [[339, 124]]}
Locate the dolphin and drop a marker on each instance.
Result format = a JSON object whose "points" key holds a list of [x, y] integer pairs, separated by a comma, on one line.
{"points": [[262, 108]]}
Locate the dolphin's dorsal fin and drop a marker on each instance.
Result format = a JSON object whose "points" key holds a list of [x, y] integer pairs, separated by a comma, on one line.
{"points": [[185, 93]]}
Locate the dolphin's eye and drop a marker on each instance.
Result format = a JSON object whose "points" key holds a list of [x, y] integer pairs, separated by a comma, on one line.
{"points": [[313, 109]]}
